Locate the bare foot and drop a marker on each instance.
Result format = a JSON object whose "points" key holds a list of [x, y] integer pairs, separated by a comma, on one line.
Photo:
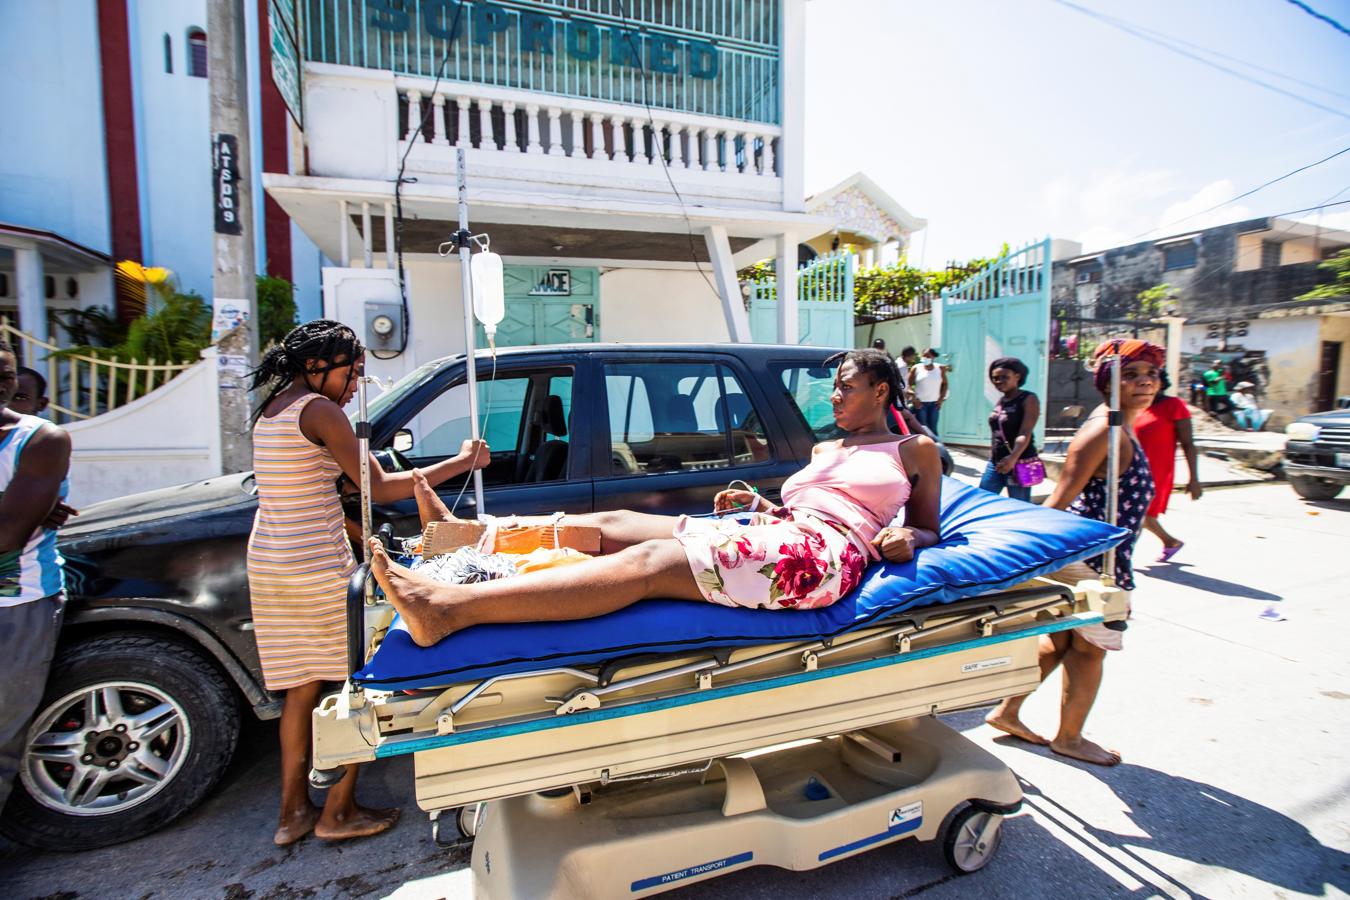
{"points": [[429, 504], [358, 822], [294, 826], [426, 606], [1013, 725], [1086, 750]]}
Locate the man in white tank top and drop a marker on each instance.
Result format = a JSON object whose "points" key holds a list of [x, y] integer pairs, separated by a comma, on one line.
{"points": [[34, 459], [928, 384]]}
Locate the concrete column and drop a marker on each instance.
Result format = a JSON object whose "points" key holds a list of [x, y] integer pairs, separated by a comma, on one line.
{"points": [[677, 146], [439, 134], [1174, 339], [785, 271], [512, 145], [532, 126], [792, 104], [32, 290], [485, 141], [598, 136], [703, 149], [415, 113], [578, 139], [555, 147], [728, 288], [616, 124], [462, 131]]}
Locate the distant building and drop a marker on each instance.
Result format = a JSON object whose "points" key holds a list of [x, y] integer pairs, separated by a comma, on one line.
{"points": [[865, 218], [107, 153], [1236, 285]]}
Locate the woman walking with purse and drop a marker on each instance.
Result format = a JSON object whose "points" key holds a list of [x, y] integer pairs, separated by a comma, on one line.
{"points": [[1013, 463]]}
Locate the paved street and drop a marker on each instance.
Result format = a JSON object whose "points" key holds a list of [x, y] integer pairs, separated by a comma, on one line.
{"points": [[1234, 729]]}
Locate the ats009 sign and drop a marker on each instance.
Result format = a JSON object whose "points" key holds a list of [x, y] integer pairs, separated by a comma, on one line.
{"points": [[225, 156]]}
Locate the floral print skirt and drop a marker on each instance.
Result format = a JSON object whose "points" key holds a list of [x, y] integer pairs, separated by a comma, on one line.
{"points": [[802, 562]]}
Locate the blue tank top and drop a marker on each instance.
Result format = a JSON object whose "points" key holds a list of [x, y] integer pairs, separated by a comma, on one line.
{"points": [[35, 571]]}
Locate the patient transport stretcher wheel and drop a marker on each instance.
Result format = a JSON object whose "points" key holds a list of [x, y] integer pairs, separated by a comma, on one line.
{"points": [[972, 839]]}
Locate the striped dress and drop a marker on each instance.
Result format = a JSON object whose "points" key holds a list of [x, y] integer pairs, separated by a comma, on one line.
{"points": [[298, 556]]}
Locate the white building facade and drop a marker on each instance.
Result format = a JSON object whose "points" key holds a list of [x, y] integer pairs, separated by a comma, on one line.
{"points": [[624, 160]]}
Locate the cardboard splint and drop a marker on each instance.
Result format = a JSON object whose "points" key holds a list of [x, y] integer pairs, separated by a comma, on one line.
{"points": [[516, 534]]}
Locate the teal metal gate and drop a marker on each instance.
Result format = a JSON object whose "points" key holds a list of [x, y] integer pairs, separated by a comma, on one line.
{"points": [[1001, 310], [824, 303]]}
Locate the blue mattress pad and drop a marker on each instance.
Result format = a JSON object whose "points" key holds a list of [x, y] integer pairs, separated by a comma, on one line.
{"points": [[988, 542]]}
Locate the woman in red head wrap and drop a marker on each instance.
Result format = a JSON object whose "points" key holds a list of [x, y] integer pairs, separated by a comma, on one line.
{"points": [[1082, 489]]}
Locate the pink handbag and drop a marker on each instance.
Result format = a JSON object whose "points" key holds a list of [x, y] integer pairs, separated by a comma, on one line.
{"points": [[1029, 472]]}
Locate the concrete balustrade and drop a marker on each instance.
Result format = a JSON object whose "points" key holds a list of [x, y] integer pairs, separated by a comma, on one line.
{"points": [[605, 134]]}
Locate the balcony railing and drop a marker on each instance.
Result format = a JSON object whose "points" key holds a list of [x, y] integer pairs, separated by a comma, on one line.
{"points": [[510, 122]]}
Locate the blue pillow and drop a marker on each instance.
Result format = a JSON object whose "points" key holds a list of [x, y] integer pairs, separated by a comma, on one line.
{"points": [[988, 542]]}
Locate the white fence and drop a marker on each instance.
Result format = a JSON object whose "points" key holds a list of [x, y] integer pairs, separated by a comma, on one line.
{"points": [[83, 387]]}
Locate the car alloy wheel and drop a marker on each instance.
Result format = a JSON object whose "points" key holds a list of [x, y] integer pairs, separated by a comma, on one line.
{"points": [[105, 748]]}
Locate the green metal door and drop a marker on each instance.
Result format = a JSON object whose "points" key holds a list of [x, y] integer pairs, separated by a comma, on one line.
{"points": [[1001, 310], [548, 305]]}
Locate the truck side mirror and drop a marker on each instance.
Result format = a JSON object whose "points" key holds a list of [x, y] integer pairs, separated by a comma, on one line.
{"points": [[403, 440]]}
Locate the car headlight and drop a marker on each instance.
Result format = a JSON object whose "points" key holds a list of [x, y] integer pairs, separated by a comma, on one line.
{"points": [[1302, 431]]}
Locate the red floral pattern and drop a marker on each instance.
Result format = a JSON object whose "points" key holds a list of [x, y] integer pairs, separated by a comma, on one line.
{"points": [[800, 562]]}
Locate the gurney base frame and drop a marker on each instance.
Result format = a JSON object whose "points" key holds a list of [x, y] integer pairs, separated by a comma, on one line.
{"points": [[798, 807]]}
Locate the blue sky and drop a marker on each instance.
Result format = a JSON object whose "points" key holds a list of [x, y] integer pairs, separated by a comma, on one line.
{"points": [[1007, 120]]}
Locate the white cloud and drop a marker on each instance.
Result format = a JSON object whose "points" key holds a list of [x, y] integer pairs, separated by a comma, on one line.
{"points": [[1195, 213]]}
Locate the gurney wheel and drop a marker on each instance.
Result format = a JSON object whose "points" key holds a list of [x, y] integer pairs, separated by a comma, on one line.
{"points": [[972, 839], [455, 827]]}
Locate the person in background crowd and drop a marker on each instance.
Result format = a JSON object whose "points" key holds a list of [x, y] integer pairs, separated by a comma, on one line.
{"points": [[1216, 389], [928, 384], [1161, 427], [1082, 490], [30, 398], [1011, 427], [34, 461], [907, 360], [299, 559], [880, 344], [1245, 411]]}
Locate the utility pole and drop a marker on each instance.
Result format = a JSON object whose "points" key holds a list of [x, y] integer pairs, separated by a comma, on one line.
{"points": [[234, 289]]}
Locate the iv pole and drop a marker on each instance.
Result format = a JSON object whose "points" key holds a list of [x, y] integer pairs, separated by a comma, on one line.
{"points": [[466, 292]]}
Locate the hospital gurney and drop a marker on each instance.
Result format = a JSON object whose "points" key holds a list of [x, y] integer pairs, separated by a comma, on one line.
{"points": [[674, 741]]}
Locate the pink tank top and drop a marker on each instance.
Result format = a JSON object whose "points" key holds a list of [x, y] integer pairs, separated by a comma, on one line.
{"points": [[862, 487]]}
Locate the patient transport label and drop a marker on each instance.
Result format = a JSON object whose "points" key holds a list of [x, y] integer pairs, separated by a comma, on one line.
{"points": [[907, 813], [984, 665], [691, 872]]}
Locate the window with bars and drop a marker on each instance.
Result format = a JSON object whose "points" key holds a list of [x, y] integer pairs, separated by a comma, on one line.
{"points": [[196, 43]]}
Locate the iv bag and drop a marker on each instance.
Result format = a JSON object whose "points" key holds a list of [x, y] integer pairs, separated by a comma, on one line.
{"points": [[489, 289]]}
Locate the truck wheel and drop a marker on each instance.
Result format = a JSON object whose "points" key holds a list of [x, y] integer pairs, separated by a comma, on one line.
{"points": [[972, 839], [1314, 488], [133, 731]]}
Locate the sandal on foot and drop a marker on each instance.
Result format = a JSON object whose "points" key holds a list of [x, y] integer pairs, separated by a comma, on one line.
{"points": [[1169, 552]]}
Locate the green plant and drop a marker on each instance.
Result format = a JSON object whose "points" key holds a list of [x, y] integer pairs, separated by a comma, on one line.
{"points": [[898, 286], [95, 326], [1159, 300], [175, 329], [1339, 266], [276, 309]]}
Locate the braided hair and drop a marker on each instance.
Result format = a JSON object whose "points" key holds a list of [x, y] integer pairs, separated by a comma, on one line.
{"points": [[877, 366], [320, 340]]}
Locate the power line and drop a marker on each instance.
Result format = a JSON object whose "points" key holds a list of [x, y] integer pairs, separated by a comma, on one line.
{"points": [[1317, 15], [1243, 195], [1236, 59], [1135, 31]]}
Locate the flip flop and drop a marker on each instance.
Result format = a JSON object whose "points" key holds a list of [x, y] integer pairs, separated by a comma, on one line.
{"points": [[1169, 552]]}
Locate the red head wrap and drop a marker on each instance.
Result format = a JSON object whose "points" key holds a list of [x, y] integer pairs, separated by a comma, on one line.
{"points": [[1130, 350]]}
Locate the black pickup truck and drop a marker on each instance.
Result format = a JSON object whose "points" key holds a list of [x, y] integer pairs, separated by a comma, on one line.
{"points": [[157, 661]]}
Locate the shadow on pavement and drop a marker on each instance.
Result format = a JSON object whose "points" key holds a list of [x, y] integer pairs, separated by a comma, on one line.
{"points": [[1205, 824], [1177, 573]]}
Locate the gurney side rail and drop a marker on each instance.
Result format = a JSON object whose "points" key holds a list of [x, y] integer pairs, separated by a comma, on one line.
{"points": [[812, 652]]}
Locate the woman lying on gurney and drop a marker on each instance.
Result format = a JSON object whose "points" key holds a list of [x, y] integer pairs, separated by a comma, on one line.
{"points": [[805, 554]]}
